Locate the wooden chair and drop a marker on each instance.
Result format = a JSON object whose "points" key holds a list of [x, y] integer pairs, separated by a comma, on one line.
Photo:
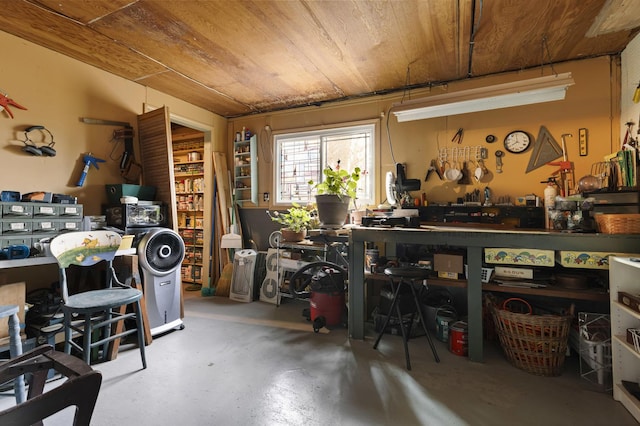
{"points": [[15, 345], [93, 314], [80, 389]]}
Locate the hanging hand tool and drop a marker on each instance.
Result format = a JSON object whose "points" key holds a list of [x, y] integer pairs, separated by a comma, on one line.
{"points": [[565, 169], [5, 102], [499, 154], [457, 138], [89, 160], [127, 155], [629, 141], [433, 167]]}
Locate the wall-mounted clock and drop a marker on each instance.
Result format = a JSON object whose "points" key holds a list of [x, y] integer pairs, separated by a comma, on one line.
{"points": [[517, 141]]}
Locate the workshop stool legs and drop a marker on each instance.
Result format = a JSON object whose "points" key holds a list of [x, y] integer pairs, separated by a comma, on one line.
{"points": [[406, 278]]}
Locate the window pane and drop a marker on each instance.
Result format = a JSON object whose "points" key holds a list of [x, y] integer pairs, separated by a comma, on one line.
{"points": [[352, 151], [300, 157], [299, 163]]}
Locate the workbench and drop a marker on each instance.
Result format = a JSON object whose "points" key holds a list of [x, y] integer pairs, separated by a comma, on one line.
{"points": [[474, 240]]}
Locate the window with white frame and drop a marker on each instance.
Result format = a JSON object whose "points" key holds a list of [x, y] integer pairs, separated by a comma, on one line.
{"points": [[301, 157]]}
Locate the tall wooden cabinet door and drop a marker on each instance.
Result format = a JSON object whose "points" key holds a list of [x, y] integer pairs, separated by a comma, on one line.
{"points": [[156, 150]]}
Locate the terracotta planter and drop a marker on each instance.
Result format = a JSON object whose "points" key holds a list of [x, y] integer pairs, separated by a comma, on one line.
{"points": [[332, 210], [293, 236]]}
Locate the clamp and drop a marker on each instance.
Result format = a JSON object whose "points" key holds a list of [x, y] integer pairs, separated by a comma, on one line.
{"points": [[5, 102]]}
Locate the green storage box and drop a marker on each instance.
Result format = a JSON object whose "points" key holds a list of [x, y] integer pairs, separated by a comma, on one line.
{"points": [[117, 191]]}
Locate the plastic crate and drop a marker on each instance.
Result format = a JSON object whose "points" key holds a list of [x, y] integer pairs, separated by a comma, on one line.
{"points": [[593, 337]]}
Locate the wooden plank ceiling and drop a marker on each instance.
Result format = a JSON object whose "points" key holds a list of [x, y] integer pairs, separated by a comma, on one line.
{"points": [[242, 57]]}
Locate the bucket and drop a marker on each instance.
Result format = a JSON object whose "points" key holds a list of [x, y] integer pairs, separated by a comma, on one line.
{"points": [[445, 315], [329, 305], [458, 338], [431, 300]]}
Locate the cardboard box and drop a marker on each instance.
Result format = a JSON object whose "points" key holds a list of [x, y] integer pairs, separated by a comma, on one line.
{"points": [[519, 256], [588, 259], [522, 273], [448, 265], [632, 301], [449, 275], [12, 294]]}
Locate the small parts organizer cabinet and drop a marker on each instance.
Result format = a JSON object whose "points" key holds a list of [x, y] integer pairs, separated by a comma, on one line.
{"points": [[623, 277], [189, 174], [25, 223], [245, 162]]}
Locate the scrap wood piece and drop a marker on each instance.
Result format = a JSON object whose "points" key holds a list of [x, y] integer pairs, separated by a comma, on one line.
{"points": [[224, 191]]}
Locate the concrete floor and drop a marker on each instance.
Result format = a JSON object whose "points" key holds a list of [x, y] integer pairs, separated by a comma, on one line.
{"points": [[258, 364]]}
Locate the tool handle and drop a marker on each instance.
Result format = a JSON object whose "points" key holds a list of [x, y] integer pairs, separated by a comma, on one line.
{"points": [[83, 176]]}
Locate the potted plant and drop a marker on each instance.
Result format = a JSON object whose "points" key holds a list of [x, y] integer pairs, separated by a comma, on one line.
{"points": [[295, 221], [334, 194]]}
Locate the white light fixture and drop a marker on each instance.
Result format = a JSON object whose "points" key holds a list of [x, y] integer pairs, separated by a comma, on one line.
{"points": [[524, 92]]}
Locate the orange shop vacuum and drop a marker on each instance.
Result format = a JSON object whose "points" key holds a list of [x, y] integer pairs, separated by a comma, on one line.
{"points": [[324, 284]]}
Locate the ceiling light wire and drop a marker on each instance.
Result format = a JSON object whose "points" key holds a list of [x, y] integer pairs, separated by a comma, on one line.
{"points": [[474, 28], [393, 158], [545, 49], [405, 93], [407, 83]]}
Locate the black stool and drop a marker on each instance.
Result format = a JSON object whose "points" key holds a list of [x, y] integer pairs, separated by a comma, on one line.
{"points": [[406, 277]]}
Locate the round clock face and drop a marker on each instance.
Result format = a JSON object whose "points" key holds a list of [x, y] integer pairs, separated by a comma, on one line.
{"points": [[517, 141]]}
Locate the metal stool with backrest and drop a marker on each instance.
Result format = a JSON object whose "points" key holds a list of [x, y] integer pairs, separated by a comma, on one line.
{"points": [[406, 277], [15, 344], [93, 314]]}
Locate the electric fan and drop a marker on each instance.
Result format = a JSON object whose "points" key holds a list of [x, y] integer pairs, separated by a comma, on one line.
{"points": [[160, 252], [244, 264], [270, 287]]}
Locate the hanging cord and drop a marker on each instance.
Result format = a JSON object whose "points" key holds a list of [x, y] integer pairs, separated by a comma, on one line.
{"points": [[117, 143], [474, 28], [405, 94], [393, 158], [545, 49], [407, 84]]}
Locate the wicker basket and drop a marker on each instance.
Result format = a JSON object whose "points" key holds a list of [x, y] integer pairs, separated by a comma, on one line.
{"points": [[618, 223], [536, 344]]}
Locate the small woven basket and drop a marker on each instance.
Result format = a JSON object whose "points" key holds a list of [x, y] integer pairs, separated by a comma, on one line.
{"points": [[618, 223], [536, 344]]}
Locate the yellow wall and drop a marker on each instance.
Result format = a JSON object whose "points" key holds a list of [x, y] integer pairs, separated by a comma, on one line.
{"points": [[58, 91], [592, 103]]}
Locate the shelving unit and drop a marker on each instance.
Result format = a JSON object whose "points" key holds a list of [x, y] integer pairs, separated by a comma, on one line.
{"points": [[245, 165], [192, 202], [623, 276]]}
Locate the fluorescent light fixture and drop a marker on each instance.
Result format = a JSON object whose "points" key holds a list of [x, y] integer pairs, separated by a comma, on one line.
{"points": [[524, 92]]}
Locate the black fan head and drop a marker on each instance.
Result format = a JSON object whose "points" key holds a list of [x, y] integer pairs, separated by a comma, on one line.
{"points": [[162, 250]]}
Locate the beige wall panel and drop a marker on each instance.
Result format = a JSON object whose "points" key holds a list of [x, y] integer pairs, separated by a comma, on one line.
{"points": [[590, 103], [58, 91]]}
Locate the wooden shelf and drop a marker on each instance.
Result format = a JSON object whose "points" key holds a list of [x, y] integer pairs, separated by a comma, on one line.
{"points": [[189, 162], [179, 175], [592, 295]]}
